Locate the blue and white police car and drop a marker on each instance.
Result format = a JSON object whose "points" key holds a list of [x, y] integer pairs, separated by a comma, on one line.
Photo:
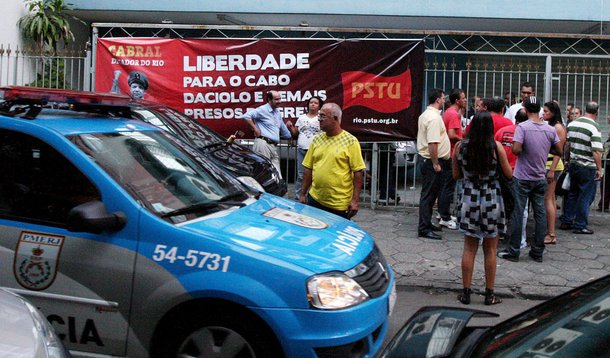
{"points": [[133, 244]]}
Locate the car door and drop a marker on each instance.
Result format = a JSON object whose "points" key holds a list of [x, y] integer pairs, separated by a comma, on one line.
{"points": [[81, 281]]}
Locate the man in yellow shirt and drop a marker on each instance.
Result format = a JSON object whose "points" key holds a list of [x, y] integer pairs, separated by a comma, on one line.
{"points": [[334, 167]]}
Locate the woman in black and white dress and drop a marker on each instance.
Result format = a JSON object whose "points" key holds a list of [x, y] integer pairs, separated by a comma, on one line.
{"points": [[481, 216]]}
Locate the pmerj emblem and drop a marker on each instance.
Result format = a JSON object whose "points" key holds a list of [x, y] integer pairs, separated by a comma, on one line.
{"points": [[36, 258], [295, 218]]}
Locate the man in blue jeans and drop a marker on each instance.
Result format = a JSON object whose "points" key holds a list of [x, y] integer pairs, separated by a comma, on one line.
{"points": [[532, 142], [585, 148]]}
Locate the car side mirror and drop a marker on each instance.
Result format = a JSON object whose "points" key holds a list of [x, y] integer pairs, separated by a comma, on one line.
{"points": [[93, 217]]}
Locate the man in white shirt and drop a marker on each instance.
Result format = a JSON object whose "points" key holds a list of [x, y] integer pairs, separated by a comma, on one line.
{"points": [[527, 89]]}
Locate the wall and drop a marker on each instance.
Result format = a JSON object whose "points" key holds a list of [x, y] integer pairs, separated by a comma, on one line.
{"points": [[9, 32]]}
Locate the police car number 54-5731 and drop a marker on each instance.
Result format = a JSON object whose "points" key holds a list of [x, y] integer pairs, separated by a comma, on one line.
{"points": [[193, 258]]}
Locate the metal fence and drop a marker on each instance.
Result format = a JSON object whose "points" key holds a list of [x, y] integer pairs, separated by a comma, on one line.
{"points": [[572, 69], [27, 67]]}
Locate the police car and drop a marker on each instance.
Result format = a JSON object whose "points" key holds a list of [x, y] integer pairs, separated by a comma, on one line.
{"points": [[134, 244]]}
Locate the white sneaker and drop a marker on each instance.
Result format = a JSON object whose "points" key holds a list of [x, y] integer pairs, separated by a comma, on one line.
{"points": [[438, 217], [449, 224]]}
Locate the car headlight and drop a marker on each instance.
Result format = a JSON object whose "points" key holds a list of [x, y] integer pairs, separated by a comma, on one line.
{"points": [[251, 182], [333, 291]]}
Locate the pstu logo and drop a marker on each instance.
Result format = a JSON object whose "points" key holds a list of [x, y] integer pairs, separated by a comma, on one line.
{"points": [[380, 93]]}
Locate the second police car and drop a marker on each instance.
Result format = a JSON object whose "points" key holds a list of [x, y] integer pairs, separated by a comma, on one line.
{"points": [[133, 244]]}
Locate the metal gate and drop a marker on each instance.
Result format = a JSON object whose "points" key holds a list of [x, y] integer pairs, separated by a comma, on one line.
{"points": [[67, 69], [570, 68]]}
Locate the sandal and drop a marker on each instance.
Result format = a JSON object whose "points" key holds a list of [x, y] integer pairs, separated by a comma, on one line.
{"points": [[464, 297], [550, 239], [491, 298]]}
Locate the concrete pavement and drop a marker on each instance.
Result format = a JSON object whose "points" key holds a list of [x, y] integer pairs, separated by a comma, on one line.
{"points": [[417, 262]]}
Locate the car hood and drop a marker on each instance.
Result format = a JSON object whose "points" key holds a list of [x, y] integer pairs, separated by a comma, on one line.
{"points": [[290, 231]]}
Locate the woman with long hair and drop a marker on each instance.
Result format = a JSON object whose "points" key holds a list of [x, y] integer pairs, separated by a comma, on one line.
{"points": [[554, 167], [477, 159]]}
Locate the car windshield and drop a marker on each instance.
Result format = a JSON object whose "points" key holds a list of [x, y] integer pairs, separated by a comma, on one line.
{"points": [[164, 174], [571, 325], [179, 124]]}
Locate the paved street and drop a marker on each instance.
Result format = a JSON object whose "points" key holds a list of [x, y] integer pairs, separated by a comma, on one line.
{"points": [[575, 260]]}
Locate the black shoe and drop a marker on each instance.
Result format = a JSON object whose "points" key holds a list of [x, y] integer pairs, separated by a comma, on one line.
{"points": [[464, 297], [491, 298], [537, 258], [565, 226], [507, 255], [430, 235], [584, 230], [436, 228]]}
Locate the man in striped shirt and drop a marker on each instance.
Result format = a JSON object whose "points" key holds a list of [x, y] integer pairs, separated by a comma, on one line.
{"points": [[585, 152]]}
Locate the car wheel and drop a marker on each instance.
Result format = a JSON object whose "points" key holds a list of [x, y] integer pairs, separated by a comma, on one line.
{"points": [[217, 334], [215, 342]]}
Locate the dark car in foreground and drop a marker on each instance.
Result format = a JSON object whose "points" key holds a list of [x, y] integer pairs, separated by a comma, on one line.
{"points": [[574, 324], [243, 164], [237, 159]]}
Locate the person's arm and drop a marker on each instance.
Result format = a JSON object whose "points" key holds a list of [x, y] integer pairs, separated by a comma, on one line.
{"points": [[249, 118], [556, 149], [561, 133], [294, 130], [433, 149], [597, 156], [517, 148], [305, 185], [503, 160], [456, 172], [453, 136], [285, 133], [354, 205]]}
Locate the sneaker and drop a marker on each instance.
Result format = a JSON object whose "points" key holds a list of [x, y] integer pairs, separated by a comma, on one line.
{"points": [[449, 224], [507, 255], [438, 217]]}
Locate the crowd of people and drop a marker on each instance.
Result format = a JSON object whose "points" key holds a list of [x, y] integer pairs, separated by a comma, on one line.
{"points": [[490, 164], [505, 158]]}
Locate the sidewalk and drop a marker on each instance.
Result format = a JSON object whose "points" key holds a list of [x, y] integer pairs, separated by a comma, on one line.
{"points": [[575, 260]]}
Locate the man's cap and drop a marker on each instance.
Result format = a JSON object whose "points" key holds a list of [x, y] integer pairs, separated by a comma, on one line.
{"points": [[138, 77], [531, 104]]}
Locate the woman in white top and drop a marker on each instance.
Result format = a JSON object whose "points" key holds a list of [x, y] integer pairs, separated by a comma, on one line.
{"points": [[304, 130]]}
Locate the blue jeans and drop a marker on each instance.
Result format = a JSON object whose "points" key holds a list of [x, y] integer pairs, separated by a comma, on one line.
{"points": [[580, 197], [533, 190], [300, 170]]}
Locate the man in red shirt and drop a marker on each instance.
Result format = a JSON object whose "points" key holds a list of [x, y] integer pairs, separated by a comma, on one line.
{"points": [[505, 135], [452, 117], [495, 105]]}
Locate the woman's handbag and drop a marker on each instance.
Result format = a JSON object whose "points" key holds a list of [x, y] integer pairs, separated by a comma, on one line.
{"points": [[563, 183]]}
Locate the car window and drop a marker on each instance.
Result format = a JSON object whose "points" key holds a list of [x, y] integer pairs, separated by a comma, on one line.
{"points": [[37, 183], [178, 123], [159, 171]]}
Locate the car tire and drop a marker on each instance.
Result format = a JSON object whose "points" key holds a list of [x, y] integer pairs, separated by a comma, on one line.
{"points": [[217, 334]]}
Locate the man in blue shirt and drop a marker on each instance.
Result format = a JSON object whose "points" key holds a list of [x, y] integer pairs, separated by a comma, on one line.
{"points": [[268, 126]]}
